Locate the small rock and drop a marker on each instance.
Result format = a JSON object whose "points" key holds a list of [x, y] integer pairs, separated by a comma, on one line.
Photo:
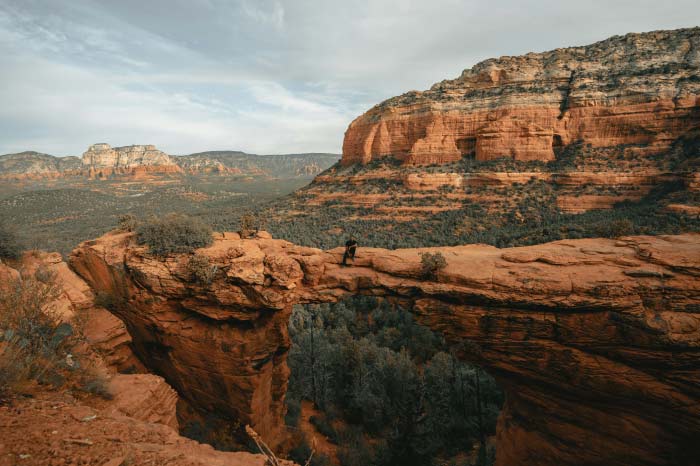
{"points": [[118, 461], [78, 441], [641, 273]]}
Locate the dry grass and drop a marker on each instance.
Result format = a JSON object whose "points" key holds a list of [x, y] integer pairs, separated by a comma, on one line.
{"points": [[199, 266], [36, 346]]}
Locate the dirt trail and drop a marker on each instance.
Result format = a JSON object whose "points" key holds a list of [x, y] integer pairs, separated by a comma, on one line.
{"points": [[319, 441]]}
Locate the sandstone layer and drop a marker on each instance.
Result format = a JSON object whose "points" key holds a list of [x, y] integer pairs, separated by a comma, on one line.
{"points": [[594, 341], [55, 428], [101, 160], [634, 89]]}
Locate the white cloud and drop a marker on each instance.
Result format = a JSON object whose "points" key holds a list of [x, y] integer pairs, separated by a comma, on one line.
{"points": [[260, 75], [272, 16]]}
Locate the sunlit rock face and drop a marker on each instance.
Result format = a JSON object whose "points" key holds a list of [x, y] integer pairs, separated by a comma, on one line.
{"points": [[103, 160], [595, 341], [634, 89]]}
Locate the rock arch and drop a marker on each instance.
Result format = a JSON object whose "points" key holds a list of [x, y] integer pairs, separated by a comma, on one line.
{"points": [[594, 341]]}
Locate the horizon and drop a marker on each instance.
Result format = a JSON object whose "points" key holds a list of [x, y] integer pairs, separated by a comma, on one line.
{"points": [[263, 77], [173, 155]]}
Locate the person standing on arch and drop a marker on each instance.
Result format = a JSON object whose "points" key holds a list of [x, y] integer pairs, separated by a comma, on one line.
{"points": [[350, 248]]}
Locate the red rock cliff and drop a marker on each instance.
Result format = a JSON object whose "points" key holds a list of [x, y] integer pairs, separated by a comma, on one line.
{"points": [[137, 424], [595, 341], [635, 89]]}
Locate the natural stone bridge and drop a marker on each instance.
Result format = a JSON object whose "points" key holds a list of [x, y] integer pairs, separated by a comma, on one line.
{"points": [[594, 341]]}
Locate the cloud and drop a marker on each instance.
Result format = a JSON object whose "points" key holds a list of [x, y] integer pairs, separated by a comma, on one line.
{"points": [[264, 76]]}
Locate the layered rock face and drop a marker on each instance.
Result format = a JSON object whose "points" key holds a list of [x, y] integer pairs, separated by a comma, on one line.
{"points": [[635, 89], [224, 353], [594, 341], [35, 165], [102, 160]]}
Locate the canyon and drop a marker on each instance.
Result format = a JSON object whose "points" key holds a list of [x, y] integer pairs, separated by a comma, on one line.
{"points": [[136, 422], [593, 340]]}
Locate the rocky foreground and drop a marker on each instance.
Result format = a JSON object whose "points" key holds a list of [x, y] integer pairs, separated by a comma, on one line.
{"points": [[594, 341], [135, 425]]}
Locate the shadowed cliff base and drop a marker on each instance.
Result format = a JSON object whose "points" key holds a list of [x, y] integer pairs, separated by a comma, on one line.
{"points": [[594, 341]]}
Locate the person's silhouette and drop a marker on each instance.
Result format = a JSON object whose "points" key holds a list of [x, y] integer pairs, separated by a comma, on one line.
{"points": [[350, 248]]}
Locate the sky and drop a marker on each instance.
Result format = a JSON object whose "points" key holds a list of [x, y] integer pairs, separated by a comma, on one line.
{"points": [[262, 76]]}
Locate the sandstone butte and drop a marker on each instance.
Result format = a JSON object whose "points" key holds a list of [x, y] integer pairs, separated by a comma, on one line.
{"points": [[101, 160], [146, 162], [632, 89], [594, 341], [138, 425]]}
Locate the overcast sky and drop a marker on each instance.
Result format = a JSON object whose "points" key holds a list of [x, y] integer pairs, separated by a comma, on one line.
{"points": [[264, 76]]}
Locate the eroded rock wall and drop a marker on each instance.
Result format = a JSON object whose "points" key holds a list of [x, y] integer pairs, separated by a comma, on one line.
{"points": [[594, 341], [136, 424], [634, 89]]}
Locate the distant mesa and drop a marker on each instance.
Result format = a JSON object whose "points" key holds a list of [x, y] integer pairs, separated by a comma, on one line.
{"points": [[102, 161]]}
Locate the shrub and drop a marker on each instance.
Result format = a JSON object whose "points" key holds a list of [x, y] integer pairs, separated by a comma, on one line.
{"points": [[431, 264], [10, 246], [250, 223], [616, 228], [174, 233], [324, 426], [201, 269], [127, 222], [33, 340], [93, 382]]}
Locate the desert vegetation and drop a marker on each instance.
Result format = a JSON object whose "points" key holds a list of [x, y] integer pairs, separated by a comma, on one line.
{"points": [[201, 269], [10, 245], [174, 233], [431, 264], [389, 391], [57, 215], [532, 217], [36, 344]]}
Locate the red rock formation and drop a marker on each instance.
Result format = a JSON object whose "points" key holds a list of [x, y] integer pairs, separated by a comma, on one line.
{"points": [[145, 162], [636, 89], [594, 341], [136, 425], [145, 397], [102, 330], [55, 428], [431, 181], [243, 372]]}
